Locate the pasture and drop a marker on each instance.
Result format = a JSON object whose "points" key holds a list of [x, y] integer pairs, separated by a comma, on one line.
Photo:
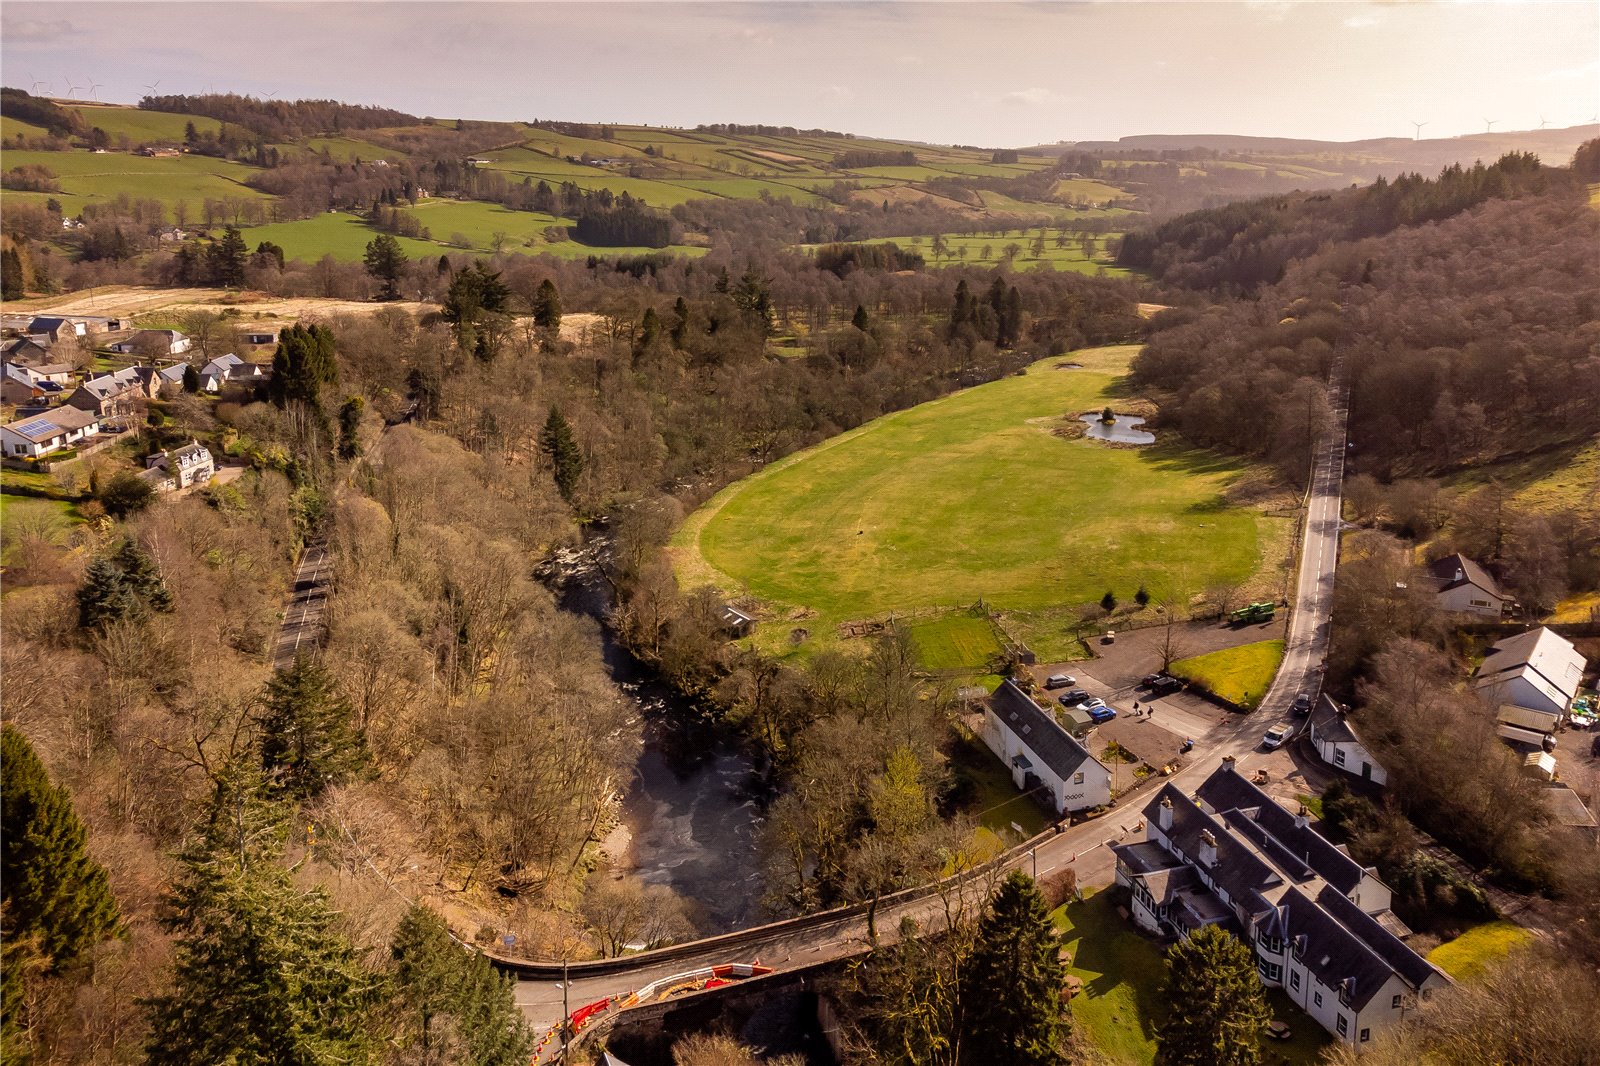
{"points": [[341, 235], [1081, 253], [142, 126], [86, 177], [974, 496], [11, 128]]}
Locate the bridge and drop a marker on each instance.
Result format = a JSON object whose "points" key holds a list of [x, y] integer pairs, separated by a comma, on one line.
{"points": [[548, 991]]}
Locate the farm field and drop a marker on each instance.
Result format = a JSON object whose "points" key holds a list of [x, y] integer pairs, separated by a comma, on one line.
{"points": [[13, 127], [1239, 675], [341, 235], [141, 126], [86, 177], [976, 249], [972, 496]]}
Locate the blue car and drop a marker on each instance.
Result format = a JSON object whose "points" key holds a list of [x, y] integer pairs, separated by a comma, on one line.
{"points": [[1102, 714]]}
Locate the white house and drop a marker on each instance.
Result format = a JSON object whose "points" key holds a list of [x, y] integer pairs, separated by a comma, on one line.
{"points": [[155, 342], [1336, 743], [1466, 588], [1042, 755], [225, 369], [39, 435], [1318, 921], [1537, 669], [191, 464]]}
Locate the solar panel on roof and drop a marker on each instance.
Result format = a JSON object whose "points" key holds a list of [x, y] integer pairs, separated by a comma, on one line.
{"points": [[37, 425]]}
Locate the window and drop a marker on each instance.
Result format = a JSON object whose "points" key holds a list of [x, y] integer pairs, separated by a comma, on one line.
{"points": [[1344, 1026], [1270, 971], [1317, 997], [1273, 944], [1294, 980], [1479, 603], [1077, 778], [1338, 756], [1366, 1034], [1395, 1003]]}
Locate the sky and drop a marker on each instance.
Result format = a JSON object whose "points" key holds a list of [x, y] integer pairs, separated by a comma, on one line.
{"points": [[987, 74]]}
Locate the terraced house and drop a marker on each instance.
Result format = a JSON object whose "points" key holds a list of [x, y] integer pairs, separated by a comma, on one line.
{"points": [[1318, 920]]}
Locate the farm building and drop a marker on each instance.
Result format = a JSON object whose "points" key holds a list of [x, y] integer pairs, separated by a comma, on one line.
{"points": [[1041, 754], [1466, 588], [1537, 669], [1336, 743], [1318, 921], [56, 328], [43, 434], [25, 350]]}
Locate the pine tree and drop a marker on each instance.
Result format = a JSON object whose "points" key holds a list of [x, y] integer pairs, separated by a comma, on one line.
{"points": [[144, 577], [859, 320], [260, 975], [1215, 1004], [51, 889], [350, 427], [680, 324], [649, 329], [1108, 602], [452, 1002], [13, 283], [1142, 597], [123, 585], [1011, 986], [385, 261], [307, 739], [547, 306], [191, 379], [557, 441], [226, 259], [303, 364]]}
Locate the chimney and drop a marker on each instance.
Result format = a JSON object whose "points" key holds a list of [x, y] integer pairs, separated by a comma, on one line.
{"points": [[1208, 849], [1164, 814], [1302, 818], [1228, 764]]}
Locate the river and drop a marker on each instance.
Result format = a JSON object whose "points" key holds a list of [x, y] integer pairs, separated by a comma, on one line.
{"points": [[691, 813]]}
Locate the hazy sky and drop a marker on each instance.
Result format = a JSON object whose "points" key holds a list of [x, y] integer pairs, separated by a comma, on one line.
{"points": [[973, 73]]}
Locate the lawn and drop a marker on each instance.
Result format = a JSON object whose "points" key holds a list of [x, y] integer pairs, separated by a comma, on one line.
{"points": [[1239, 675], [973, 496], [956, 641], [142, 126], [994, 800], [1121, 1003], [1465, 957]]}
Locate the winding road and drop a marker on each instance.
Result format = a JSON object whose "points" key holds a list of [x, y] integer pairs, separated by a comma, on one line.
{"points": [[839, 934]]}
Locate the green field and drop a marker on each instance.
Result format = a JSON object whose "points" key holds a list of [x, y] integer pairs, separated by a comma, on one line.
{"points": [[1121, 1002], [11, 127], [341, 235], [973, 496], [142, 126], [86, 177], [20, 516], [1465, 957], [1239, 675], [956, 641], [982, 250]]}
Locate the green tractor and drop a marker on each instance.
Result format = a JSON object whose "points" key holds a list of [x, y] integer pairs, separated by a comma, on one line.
{"points": [[1254, 613]]}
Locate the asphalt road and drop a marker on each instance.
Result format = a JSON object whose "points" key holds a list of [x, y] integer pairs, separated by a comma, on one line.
{"points": [[301, 628], [1082, 848]]}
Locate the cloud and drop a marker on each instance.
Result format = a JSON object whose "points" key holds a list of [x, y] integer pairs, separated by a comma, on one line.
{"points": [[39, 29], [1587, 71], [1032, 97], [1362, 22]]}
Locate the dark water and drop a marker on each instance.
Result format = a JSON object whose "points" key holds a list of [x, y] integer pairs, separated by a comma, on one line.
{"points": [[691, 810], [1122, 431]]}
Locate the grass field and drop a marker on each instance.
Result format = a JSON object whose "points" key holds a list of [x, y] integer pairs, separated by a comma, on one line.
{"points": [[1465, 957], [343, 236], [11, 127], [142, 126], [956, 641], [970, 249], [1121, 1003], [1239, 675], [86, 177], [972, 496]]}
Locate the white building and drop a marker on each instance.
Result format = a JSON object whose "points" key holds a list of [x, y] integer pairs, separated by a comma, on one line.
{"points": [[1536, 669], [191, 464], [1466, 588], [225, 369], [155, 342], [1318, 921], [61, 427], [1042, 755], [1337, 743]]}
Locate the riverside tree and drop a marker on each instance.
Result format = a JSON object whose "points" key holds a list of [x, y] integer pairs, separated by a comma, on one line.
{"points": [[1215, 1005], [450, 1004], [557, 441], [1011, 987]]}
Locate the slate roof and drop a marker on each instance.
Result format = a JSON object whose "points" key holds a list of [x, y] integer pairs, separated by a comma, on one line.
{"points": [[1238, 871], [1456, 570], [1330, 725], [1227, 790], [43, 427], [1039, 730], [1541, 657], [111, 383], [1334, 953]]}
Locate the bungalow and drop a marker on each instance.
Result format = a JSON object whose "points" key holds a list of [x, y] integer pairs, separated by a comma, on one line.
{"points": [[45, 433], [230, 369], [1041, 755], [1318, 921], [191, 464], [1537, 669], [1464, 587], [1335, 741], [154, 342]]}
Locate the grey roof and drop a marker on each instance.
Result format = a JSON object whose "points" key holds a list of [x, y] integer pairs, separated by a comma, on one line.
{"points": [[1145, 857], [104, 386], [1226, 790], [1039, 730], [57, 421], [1333, 953], [1540, 656], [1456, 570], [1329, 724], [1391, 949], [1239, 871], [47, 324]]}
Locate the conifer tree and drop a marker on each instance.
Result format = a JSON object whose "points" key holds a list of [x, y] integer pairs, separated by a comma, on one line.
{"points": [[51, 889], [680, 324], [385, 261], [557, 441], [225, 259], [307, 740], [191, 379], [451, 1002], [260, 973], [859, 320], [649, 329], [1215, 1004], [13, 282], [1011, 987], [547, 306], [123, 585], [302, 365]]}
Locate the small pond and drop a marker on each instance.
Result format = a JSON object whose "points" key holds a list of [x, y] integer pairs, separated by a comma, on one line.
{"points": [[1121, 431]]}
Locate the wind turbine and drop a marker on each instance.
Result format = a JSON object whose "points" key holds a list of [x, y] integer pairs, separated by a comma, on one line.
{"points": [[1488, 124], [273, 94], [1419, 126], [37, 83], [94, 88], [151, 88], [1543, 122], [71, 90]]}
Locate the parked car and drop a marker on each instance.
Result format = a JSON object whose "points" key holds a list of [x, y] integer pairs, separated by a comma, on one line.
{"points": [[1102, 713], [1059, 681], [1275, 737], [1164, 683], [1302, 705], [1073, 698], [1150, 679]]}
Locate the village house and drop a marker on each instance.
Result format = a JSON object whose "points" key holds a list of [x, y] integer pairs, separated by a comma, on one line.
{"points": [[39, 435], [191, 464], [1464, 587], [113, 395], [33, 385], [25, 350], [1041, 755], [162, 381], [56, 328], [231, 370], [1335, 741], [1318, 921], [154, 342], [1538, 669]]}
